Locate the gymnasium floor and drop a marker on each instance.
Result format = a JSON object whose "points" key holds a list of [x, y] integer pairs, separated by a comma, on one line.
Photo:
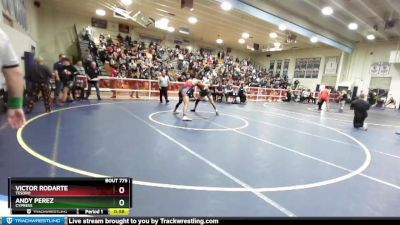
{"points": [[258, 159]]}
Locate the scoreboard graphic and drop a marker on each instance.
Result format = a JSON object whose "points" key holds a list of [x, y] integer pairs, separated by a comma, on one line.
{"points": [[88, 196]]}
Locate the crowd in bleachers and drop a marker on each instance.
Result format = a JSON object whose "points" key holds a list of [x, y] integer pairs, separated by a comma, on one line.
{"points": [[136, 59]]}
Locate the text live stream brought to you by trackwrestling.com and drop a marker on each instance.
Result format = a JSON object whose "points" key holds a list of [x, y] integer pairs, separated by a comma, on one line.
{"points": [[24, 220], [13, 220]]}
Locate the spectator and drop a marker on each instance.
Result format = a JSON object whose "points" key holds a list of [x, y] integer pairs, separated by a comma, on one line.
{"points": [[58, 68], [304, 95], [296, 84], [79, 80], [390, 103], [113, 82], [372, 98], [228, 91], [136, 86], [39, 78], [310, 97], [288, 96], [219, 92], [360, 107], [92, 74], [9, 65], [67, 77], [242, 93]]}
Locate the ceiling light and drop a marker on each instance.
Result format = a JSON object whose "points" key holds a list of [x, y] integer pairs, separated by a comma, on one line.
{"points": [[164, 21], [252, 49], [162, 24], [275, 49], [273, 35], [353, 26], [126, 2], [171, 29], [314, 40], [226, 6], [183, 32], [370, 37], [100, 12], [242, 41], [220, 41], [282, 27], [277, 44], [327, 11], [192, 9], [192, 20], [245, 35]]}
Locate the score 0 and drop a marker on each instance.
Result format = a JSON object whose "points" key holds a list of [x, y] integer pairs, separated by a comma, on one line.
{"points": [[121, 190]]}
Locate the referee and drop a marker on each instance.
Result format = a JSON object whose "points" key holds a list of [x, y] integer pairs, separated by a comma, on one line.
{"points": [[9, 65], [163, 83]]}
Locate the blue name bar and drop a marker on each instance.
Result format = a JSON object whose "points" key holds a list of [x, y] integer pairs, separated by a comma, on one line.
{"points": [[33, 220]]}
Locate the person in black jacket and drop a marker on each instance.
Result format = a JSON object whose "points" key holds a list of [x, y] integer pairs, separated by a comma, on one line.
{"points": [[242, 93], [93, 72], [288, 96], [39, 76], [68, 74], [360, 107]]}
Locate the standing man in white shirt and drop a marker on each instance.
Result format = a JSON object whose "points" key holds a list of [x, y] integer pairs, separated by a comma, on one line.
{"points": [[163, 83], [9, 65]]}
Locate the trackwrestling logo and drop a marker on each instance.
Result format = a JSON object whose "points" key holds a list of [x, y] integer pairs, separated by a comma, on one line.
{"points": [[33, 220]]}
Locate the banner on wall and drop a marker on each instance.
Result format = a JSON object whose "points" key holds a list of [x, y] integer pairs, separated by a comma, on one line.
{"points": [[384, 69], [316, 64], [271, 66], [303, 68], [331, 65], [307, 67], [380, 69], [123, 28], [99, 23], [17, 10], [297, 68], [286, 67], [278, 67]]}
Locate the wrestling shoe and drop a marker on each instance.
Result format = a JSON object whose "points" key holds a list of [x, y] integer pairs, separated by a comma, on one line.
{"points": [[185, 118], [365, 127]]}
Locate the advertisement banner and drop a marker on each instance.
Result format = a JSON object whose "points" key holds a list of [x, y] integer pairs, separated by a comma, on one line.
{"points": [[380, 69]]}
